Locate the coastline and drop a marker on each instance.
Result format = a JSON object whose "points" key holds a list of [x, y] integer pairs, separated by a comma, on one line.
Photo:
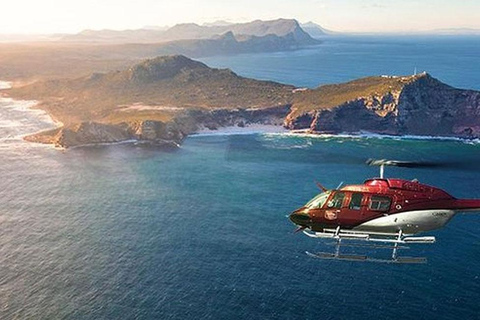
{"points": [[278, 130], [283, 132], [28, 117]]}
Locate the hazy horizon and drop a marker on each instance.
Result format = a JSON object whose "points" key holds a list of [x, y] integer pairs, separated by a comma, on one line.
{"points": [[367, 16]]}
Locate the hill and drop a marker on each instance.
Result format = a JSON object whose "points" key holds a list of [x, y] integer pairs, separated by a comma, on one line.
{"points": [[155, 89]]}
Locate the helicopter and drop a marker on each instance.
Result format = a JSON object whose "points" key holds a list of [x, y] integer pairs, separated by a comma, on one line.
{"points": [[384, 212]]}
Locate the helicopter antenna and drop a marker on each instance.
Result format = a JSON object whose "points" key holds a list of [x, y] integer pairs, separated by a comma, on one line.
{"points": [[341, 183], [382, 170]]}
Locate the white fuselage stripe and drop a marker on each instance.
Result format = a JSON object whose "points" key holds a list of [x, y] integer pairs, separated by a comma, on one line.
{"points": [[410, 222]]}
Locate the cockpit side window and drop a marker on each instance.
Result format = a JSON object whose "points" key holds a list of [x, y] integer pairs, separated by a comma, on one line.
{"points": [[356, 201], [337, 200], [379, 203]]}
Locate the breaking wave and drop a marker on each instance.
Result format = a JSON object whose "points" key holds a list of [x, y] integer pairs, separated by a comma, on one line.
{"points": [[368, 135], [18, 119]]}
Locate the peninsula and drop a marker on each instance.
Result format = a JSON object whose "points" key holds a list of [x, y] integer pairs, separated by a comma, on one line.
{"points": [[162, 100]]}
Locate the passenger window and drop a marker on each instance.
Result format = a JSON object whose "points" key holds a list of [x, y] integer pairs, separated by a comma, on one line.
{"points": [[337, 200], [356, 201], [379, 203]]}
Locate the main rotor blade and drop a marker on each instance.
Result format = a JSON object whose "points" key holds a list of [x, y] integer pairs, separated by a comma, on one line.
{"points": [[320, 186], [405, 164]]}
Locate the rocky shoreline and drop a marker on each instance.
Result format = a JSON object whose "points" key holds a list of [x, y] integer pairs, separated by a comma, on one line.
{"points": [[421, 106], [159, 133]]}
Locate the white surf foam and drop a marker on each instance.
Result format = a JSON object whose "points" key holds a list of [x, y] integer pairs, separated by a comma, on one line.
{"points": [[369, 135], [18, 119], [249, 129]]}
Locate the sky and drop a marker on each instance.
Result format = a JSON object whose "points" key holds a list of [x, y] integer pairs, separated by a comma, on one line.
{"points": [[71, 16]]}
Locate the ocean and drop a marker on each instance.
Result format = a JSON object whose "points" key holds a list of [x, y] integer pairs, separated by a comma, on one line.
{"points": [[132, 232], [451, 59]]}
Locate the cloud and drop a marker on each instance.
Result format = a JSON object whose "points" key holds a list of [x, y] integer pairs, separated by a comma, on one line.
{"points": [[374, 6], [319, 3]]}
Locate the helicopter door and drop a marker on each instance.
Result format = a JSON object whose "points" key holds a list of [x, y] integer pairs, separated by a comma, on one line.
{"points": [[334, 205], [352, 211]]}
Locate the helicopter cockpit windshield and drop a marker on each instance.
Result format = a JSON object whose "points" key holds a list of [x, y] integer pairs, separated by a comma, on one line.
{"points": [[318, 201]]}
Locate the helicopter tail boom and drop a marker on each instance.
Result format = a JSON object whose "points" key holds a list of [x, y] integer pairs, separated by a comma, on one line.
{"points": [[467, 205]]}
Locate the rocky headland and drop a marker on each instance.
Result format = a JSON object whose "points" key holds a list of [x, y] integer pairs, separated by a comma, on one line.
{"points": [[409, 105], [163, 100]]}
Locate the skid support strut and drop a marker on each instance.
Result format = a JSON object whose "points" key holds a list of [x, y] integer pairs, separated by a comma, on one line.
{"points": [[394, 241]]}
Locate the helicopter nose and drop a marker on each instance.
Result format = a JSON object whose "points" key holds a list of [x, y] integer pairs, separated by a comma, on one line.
{"points": [[300, 217]]}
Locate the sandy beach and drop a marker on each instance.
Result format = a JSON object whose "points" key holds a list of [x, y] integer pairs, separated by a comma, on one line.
{"points": [[234, 130]]}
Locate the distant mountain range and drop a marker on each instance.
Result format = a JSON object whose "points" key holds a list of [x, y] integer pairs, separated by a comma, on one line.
{"points": [[282, 28], [193, 31]]}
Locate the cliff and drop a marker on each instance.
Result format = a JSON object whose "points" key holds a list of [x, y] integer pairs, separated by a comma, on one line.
{"points": [[413, 105]]}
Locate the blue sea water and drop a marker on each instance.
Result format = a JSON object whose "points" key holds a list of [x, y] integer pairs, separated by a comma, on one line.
{"points": [[452, 59], [132, 232]]}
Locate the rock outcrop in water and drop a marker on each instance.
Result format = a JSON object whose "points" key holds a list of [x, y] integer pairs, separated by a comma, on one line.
{"points": [[413, 105], [88, 133], [163, 100]]}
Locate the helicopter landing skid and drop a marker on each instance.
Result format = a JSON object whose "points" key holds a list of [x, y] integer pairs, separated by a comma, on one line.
{"points": [[394, 241]]}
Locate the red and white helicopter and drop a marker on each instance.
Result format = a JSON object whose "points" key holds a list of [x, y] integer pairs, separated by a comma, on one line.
{"points": [[388, 211]]}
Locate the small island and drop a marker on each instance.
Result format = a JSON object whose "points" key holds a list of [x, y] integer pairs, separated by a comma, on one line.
{"points": [[163, 100]]}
